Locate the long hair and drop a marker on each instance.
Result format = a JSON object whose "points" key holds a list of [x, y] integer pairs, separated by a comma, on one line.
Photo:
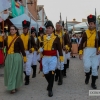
{"points": [[17, 33]]}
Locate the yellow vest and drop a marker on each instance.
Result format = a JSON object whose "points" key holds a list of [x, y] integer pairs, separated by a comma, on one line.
{"points": [[25, 39], [91, 36]]}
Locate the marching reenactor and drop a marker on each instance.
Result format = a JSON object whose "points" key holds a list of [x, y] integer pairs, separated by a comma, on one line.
{"points": [[35, 54], [65, 46], [41, 39], [51, 45], [90, 45], [66, 53], [29, 49]]}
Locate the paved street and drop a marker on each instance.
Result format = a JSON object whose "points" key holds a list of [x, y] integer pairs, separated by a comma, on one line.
{"points": [[73, 87]]}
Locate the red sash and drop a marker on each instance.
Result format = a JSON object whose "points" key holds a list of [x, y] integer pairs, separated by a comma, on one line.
{"points": [[50, 52], [47, 53]]}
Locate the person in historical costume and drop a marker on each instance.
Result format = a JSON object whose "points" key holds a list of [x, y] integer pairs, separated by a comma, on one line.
{"points": [[35, 54], [66, 52], [89, 48], [51, 45], [29, 49], [74, 49], [1, 50], [41, 39], [13, 69], [65, 47]]}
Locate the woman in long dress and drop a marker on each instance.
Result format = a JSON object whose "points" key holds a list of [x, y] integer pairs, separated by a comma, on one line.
{"points": [[13, 70], [74, 50]]}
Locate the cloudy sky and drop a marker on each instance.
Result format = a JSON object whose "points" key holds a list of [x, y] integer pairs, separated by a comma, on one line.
{"points": [[77, 9]]}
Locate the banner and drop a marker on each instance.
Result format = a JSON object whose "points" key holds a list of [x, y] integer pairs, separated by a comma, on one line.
{"points": [[4, 4], [17, 8]]}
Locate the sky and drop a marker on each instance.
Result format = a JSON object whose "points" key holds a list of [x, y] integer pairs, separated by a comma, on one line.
{"points": [[71, 9]]}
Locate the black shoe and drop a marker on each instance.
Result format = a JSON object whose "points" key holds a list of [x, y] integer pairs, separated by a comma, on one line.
{"points": [[34, 71], [26, 83], [50, 93], [87, 78], [93, 86], [33, 76], [59, 83], [27, 80], [68, 63], [56, 78], [56, 75], [64, 76]]}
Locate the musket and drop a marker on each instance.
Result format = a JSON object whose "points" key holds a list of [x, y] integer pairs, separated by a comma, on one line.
{"points": [[62, 24], [96, 25], [66, 24]]}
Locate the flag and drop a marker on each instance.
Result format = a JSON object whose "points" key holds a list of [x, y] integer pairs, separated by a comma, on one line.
{"points": [[4, 4], [17, 8], [4, 15]]}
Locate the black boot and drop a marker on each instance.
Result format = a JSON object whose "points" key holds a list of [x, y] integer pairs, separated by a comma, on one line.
{"points": [[60, 81], [93, 85], [47, 78], [64, 71], [25, 75], [34, 71], [68, 63], [51, 81], [56, 75], [27, 80], [87, 78]]}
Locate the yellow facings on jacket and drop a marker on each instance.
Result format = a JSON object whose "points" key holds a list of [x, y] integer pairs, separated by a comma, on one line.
{"points": [[1, 39], [48, 42], [60, 36], [40, 39], [11, 49], [25, 39], [91, 35]]}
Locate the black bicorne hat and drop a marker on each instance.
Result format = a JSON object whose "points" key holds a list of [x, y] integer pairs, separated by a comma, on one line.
{"points": [[48, 23]]}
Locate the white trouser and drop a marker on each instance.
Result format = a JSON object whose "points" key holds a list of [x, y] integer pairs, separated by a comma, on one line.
{"points": [[99, 58], [49, 64], [90, 59], [34, 59], [27, 65], [59, 63], [66, 56]]}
